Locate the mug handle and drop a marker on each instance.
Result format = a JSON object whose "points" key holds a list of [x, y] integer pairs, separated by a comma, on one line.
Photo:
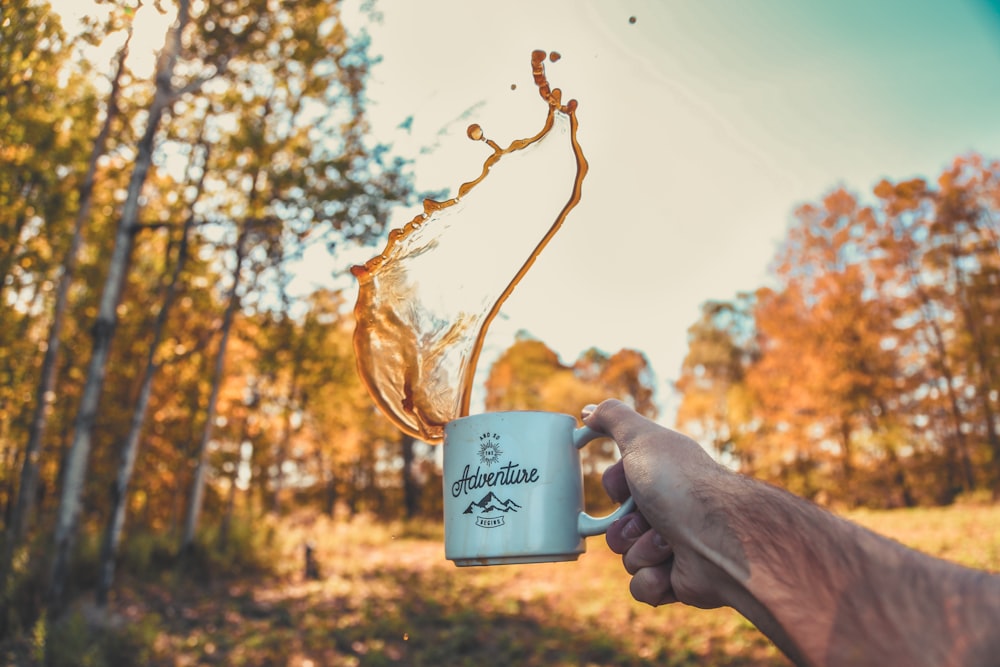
{"points": [[588, 525]]}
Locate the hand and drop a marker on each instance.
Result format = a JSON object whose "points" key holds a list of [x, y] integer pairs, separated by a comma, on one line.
{"points": [[674, 483], [825, 590]]}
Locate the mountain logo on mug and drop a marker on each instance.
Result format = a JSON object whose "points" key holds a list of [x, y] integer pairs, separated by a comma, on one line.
{"points": [[491, 504]]}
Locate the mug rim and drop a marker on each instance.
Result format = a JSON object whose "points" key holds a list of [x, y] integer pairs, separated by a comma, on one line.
{"points": [[483, 415]]}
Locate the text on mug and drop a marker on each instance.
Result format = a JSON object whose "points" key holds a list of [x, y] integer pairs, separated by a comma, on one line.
{"points": [[507, 475]]}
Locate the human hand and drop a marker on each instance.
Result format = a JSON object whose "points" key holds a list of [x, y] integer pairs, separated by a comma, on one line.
{"points": [[823, 589], [673, 544]]}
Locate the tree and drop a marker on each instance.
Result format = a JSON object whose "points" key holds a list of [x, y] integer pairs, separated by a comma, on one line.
{"points": [[715, 403], [969, 247], [294, 165], [941, 257], [130, 446], [47, 112], [906, 207], [530, 376], [276, 90], [47, 373], [107, 318], [198, 483], [870, 374], [826, 338], [343, 436], [517, 380]]}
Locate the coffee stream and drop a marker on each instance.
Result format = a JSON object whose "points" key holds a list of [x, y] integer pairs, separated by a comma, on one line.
{"points": [[425, 303]]}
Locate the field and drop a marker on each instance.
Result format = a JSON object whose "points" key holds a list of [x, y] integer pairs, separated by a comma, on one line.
{"points": [[385, 595]]}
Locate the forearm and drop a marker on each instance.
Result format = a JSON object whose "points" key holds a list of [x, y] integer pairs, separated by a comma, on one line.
{"points": [[832, 593]]}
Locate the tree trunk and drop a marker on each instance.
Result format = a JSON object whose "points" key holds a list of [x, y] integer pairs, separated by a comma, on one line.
{"points": [[354, 491], [329, 487], [22, 516], [130, 447], [847, 456], [941, 361], [411, 494], [282, 453], [107, 319], [196, 495], [895, 464], [227, 516], [983, 381]]}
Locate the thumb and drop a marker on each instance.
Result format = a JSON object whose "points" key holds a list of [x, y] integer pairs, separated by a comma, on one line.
{"points": [[616, 420]]}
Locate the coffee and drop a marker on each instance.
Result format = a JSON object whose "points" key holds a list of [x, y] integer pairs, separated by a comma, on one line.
{"points": [[425, 303]]}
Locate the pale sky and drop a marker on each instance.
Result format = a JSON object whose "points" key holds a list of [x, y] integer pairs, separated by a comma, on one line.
{"points": [[705, 123]]}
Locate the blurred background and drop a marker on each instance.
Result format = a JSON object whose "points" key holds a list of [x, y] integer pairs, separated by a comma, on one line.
{"points": [[788, 246]]}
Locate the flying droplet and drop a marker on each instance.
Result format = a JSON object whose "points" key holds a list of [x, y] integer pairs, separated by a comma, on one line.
{"points": [[631, 19], [554, 56]]}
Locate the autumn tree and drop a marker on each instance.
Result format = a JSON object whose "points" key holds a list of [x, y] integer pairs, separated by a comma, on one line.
{"points": [[347, 449], [940, 259], [49, 112], [107, 317], [275, 94], [965, 228], [715, 402], [530, 376], [866, 372], [827, 337], [47, 372], [294, 165]]}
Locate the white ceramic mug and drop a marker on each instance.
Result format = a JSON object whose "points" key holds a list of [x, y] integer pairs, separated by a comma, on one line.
{"points": [[513, 489]]}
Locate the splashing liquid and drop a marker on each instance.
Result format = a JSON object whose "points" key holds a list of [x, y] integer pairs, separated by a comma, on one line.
{"points": [[425, 303]]}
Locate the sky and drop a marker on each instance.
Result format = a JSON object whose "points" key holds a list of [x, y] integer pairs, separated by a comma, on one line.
{"points": [[705, 124]]}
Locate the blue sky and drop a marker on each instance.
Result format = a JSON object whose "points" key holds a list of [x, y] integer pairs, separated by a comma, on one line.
{"points": [[705, 124]]}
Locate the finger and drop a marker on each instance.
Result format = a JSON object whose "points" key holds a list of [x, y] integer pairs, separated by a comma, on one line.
{"points": [[649, 550], [624, 532], [630, 430], [652, 585], [615, 483], [617, 420]]}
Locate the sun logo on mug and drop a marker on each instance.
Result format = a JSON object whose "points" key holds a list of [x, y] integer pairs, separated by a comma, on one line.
{"points": [[489, 449]]}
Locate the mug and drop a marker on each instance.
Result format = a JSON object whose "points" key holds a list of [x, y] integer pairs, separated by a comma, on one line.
{"points": [[513, 489]]}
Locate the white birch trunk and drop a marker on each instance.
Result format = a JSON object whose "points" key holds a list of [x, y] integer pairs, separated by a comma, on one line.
{"points": [[75, 471], [130, 447], [198, 483]]}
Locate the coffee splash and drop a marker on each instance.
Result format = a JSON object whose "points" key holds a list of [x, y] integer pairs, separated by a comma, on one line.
{"points": [[425, 303]]}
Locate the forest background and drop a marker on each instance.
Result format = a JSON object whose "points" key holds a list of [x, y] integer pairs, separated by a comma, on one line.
{"points": [[162, 390]]}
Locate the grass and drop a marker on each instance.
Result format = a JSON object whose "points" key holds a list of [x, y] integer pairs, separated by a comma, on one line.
{"points": [[969, 535], [386, 596]]}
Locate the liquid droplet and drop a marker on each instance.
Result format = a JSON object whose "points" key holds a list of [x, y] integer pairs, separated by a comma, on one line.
{"points": [[631, 19], [475, 132], [425, 303]]}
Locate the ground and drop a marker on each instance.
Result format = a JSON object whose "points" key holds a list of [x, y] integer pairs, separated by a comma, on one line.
{"points": [[385, 595]]}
